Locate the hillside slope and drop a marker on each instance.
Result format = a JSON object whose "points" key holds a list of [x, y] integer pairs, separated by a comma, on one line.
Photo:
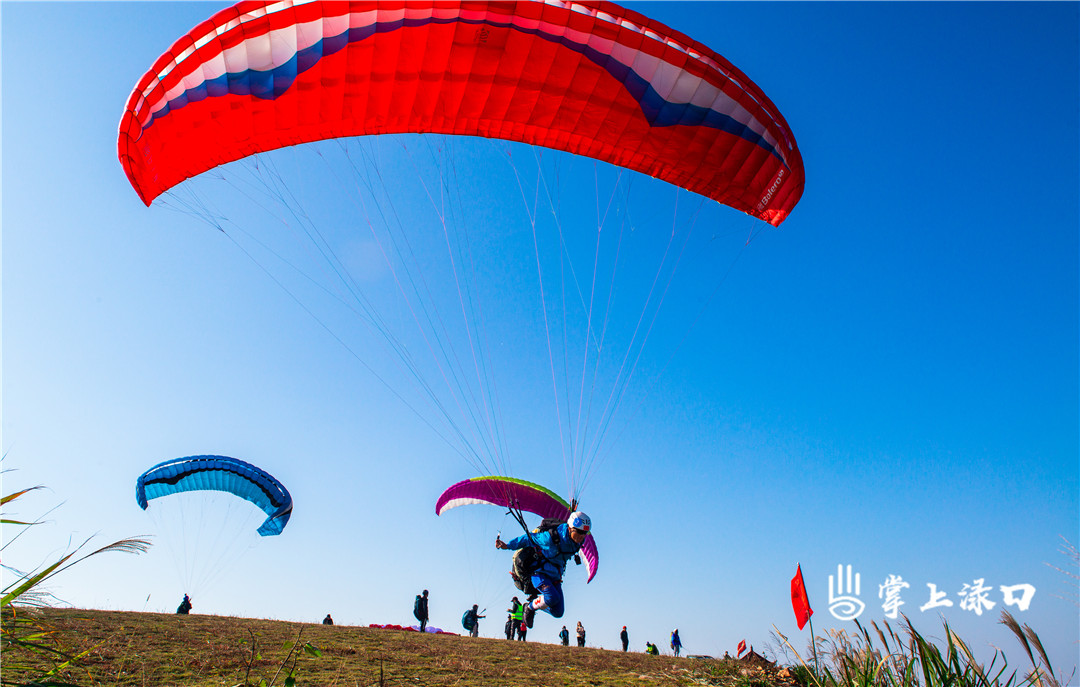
{"points": [[126, 648]]}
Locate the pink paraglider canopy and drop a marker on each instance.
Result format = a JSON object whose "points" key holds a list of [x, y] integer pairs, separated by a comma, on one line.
{"points": [[508, 492]]}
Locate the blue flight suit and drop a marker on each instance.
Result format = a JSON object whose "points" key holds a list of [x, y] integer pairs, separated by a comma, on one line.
{"points": [[554, 548]]}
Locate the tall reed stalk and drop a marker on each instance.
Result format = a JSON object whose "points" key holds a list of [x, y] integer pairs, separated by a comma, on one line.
{"points": [[31, 652], [888, 658]]}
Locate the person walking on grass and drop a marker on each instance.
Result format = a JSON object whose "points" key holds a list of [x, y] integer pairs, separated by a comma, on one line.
{"points": [[676, 643]]}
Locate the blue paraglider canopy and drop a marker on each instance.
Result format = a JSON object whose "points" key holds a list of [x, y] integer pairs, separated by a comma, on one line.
{"points": [[219, 473]]}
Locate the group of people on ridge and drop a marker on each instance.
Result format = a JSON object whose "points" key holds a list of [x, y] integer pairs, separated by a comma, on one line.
{"points": [[553, 546], [550, 547], [564, 635]]}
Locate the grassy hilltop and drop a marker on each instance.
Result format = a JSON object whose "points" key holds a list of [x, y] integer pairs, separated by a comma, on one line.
{"points": [[150, 649]]}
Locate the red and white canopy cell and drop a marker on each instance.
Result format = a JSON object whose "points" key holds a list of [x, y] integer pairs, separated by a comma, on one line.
{"points": [[593, 79]]}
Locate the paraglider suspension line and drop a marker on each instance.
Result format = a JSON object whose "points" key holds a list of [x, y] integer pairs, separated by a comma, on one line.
{"points": [[516, 512]]}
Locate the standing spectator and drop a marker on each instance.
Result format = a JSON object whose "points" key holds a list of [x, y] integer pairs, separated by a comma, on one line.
{"points": [[471, 620], [327, 620], [565, 636], [420, 610], [516, 617], [580, 634], [676, 643], [516, 611], [625, 638], [185, 606], [522, 630]]}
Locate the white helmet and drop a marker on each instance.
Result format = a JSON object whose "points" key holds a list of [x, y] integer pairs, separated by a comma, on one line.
{"points": [[579, 521]]}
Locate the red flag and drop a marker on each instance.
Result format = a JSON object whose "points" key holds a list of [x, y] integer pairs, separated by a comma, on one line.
{"points": [[742, 648], [799, 602]]}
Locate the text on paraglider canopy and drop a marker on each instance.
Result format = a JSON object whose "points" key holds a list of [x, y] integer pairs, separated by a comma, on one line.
{"points": [[764, 202]]}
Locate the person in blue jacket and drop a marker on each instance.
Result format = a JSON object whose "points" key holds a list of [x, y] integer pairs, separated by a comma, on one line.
{"points": [[553, 549], [676, 643]]}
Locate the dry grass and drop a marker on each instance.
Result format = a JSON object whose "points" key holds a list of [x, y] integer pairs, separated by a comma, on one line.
{"points": [[906, 658], [142, 649]]}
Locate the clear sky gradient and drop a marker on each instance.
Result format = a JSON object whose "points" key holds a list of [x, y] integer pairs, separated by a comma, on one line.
{"points": [[889, 380]]}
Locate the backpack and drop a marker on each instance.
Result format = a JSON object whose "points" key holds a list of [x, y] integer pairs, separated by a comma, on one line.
{"points": [[468, 620], [522, 566], [416, 608], [548, 524], [526, 560]]}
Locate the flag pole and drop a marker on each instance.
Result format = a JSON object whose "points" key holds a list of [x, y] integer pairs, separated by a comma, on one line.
{"points": [[813, 642], [800, 603]]}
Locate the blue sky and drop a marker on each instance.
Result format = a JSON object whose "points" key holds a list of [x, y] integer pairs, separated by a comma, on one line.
{"points": [[889, 380]]}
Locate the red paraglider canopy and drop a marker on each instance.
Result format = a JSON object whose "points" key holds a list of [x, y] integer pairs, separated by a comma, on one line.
{"points": [[592, 79]]}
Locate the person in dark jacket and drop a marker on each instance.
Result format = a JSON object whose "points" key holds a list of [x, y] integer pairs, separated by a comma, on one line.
{"points": [[185, 606], [474, 627], [625, 638], [420, 610], [327, 620], [564, 635]]}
